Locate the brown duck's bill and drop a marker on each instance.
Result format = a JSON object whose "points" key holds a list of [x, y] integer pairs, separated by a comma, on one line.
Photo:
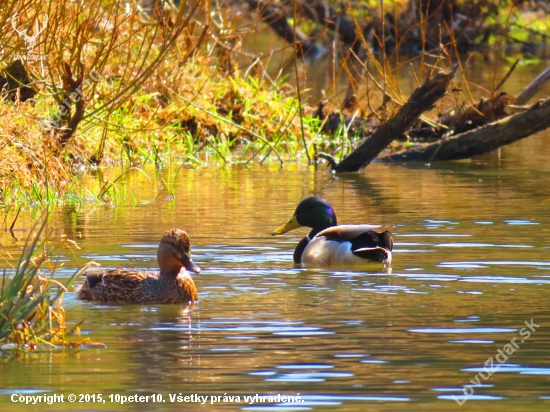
{"points": [[190, 265], [287, 227]]}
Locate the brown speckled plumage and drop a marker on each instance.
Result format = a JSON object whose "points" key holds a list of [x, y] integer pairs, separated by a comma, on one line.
{"points": [[172, 285]]}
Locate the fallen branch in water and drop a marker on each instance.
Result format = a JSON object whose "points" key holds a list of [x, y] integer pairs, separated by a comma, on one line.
{"points": [[534, 87], [471, 117], [485, 111], [422, 99], [481, 140]]}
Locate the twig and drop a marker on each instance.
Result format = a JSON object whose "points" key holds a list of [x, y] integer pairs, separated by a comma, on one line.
{"points": [[329, 158], [15, 220], [298, 85], [534, 87], [510, 71]]}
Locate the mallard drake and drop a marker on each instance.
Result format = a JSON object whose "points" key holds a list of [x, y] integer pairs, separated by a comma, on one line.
{"points": [[329, 244], [172, 285]]}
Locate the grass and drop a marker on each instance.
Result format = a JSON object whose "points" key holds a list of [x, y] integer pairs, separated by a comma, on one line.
{"points": [[177, 85], [156, 88], [31, 312]]}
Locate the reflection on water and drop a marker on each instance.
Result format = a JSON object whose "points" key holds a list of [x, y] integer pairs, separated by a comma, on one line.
{"points": [[471, 265], [482, 70]]}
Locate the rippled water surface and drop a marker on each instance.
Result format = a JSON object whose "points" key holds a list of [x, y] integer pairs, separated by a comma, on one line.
{"points": [[471, 266]]}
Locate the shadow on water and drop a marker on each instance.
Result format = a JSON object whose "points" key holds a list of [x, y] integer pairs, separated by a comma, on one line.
{"points": [[363, 183]]}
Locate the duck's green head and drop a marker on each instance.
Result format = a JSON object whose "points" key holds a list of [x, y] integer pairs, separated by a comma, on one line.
{"points": [[312, 212]]}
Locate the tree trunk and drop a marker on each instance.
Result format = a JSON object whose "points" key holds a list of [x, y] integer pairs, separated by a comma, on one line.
{"points": [[422, 99], [481, 140], [534, 87]]}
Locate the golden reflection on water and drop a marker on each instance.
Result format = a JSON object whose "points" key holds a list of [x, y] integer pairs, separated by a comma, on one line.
{"points": [[471, 264], [482, 71]]}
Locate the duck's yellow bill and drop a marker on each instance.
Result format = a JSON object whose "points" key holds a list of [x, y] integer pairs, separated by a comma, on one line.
{"points": [[287, 227]]}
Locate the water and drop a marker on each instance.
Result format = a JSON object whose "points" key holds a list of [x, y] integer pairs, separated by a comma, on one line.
{"points": [[483, 70], [471, 265]]}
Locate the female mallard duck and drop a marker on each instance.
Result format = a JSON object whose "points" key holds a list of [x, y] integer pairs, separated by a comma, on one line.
{"points": [[172, 285], [328, 244]]}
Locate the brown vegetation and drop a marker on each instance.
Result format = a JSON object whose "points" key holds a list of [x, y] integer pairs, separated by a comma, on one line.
{"points": [[103, 83]]}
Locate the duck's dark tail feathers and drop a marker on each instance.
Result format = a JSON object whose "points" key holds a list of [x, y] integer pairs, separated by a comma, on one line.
{"points": [[375, 254], [386, 240], [373, 246]]}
